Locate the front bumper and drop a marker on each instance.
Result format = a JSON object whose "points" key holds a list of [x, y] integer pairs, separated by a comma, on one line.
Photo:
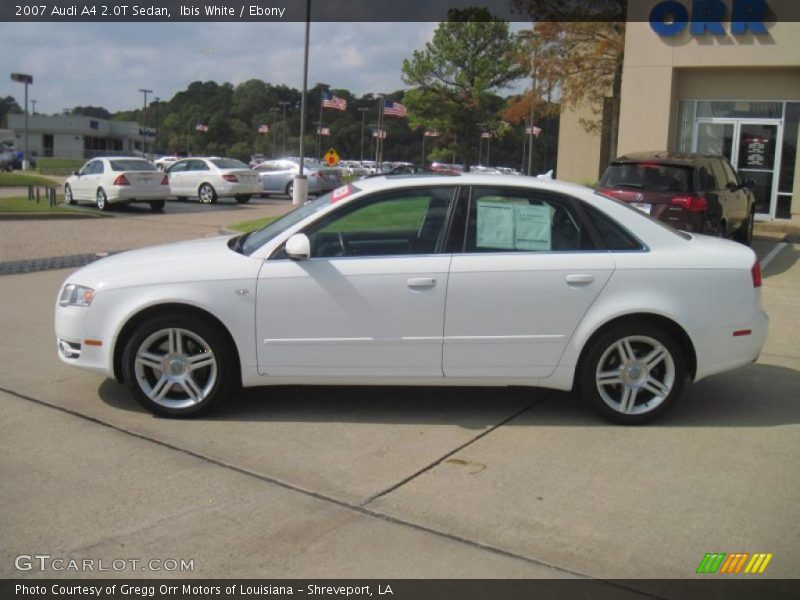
{"points": [[71, 346]]}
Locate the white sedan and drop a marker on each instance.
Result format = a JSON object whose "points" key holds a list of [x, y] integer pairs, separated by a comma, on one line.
{"points": [[210, 178], [432, 280], [117, 180]]}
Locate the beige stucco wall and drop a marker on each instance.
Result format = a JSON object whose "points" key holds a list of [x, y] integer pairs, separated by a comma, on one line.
{"points": [[578, 151]]}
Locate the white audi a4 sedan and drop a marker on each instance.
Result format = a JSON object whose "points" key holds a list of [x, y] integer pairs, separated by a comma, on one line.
{"points": [[117, 180], [424, 280]]}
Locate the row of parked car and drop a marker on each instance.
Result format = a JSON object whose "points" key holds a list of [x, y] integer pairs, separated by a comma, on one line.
{"points": [[111, 180]]}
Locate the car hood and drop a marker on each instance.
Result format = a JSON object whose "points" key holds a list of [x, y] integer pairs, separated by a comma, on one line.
{"points": [[195, 260]]}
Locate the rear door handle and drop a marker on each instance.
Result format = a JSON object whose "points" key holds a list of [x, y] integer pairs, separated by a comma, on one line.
{"points": [[579, 279], [421, 282]]}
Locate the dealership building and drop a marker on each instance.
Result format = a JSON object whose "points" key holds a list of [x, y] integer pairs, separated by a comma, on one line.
{"points": [[697, 84], [75, 136]]}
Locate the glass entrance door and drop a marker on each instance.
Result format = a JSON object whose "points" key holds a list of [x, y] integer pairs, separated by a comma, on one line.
{"points": [[752, 148]]}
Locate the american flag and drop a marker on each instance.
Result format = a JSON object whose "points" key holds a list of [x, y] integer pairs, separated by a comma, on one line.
{"points": [[201, 127], [431, 133], [323, 130], [487, 134], [379, 133], [333, 102], [533, 130], [263, 129], [394, 109]]}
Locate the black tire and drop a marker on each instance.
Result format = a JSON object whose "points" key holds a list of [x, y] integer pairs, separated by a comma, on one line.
{"points": [[744, 234], [207, 193], [243, 199], [199, 338], [668, 374], [157, 205], [101, 200], [68, 197]]}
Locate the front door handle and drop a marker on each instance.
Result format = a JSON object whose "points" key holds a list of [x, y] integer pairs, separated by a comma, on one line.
{"points": [[421, 282], [579, 279]]}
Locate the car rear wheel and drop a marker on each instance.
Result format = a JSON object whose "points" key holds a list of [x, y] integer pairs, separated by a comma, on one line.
{"points": [[178, 365], [101, 200], [745, 232], [157, 205], [242, 199], [632, 373], [207, 194], [68, 197]]}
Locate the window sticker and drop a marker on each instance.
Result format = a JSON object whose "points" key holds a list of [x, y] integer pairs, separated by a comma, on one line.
{"points": [[532, 227], [513, 226], [495, 225]]}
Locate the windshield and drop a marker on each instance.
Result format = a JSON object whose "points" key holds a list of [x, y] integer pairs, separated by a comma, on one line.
{"points": [[131, 165], [228, 163], [258, 238]]}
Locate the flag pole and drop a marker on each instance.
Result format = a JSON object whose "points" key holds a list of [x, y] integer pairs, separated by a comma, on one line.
{"points": [[300, 185]]}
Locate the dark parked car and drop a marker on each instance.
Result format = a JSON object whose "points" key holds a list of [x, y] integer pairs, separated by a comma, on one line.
{"points": [[694, 192]]}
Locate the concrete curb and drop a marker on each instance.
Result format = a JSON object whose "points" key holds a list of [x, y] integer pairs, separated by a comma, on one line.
{"points": [[34, 216]]}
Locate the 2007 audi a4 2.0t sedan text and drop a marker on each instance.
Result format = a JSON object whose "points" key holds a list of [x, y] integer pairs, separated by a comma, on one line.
{"points": [[424, 280]]}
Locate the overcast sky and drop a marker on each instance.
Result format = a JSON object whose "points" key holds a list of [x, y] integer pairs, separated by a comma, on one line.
{"points": [[105, 64]]}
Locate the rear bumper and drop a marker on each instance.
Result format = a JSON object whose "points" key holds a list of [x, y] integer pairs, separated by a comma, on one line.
{"points": [[125, 193], [227, 188], [718, 350]]}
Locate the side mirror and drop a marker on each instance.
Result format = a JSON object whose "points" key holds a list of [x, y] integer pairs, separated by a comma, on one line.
{"points": [[76, 173], [298, 247], [749, 184], [732, 187]]}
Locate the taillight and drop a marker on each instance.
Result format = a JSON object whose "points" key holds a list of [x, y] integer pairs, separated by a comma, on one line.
{"points": [[755, 272], [693, 203], [121, 180], [165, 180], [230, 177], [613, 193]]}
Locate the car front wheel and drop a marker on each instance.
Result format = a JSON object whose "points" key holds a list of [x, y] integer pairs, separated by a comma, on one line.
{"points": [[207, 194], [68, 197], [632, 373], [178, 365]]}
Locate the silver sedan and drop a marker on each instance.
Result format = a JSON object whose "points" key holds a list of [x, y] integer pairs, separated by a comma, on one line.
{"points": [[277, 176]]}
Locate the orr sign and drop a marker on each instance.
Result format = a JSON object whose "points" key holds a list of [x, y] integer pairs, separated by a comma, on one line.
{"points": [[670, 18]]}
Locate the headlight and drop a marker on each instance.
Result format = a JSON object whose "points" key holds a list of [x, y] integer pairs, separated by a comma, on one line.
{"points": [[76, 295]]}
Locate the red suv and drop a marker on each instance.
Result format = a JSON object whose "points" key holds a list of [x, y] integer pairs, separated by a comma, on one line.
{"points": [[693, 192]]}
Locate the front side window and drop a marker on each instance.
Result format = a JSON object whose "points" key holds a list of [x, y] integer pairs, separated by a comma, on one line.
{"points": [[521, 220], [403, 222], [198, 165]]}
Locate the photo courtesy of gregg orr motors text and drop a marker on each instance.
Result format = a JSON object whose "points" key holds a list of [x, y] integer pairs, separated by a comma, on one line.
{"points": [[47, 562]]}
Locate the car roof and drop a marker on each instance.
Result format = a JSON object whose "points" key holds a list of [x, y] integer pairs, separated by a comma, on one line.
{"points": [[388, 182], [665, 157]]}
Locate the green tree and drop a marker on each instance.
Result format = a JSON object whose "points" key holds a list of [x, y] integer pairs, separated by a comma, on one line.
{"points": [[470, 55]]}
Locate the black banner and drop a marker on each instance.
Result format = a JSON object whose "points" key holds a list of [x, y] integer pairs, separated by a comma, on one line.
{"points": [[402, 589], [767, 11]]}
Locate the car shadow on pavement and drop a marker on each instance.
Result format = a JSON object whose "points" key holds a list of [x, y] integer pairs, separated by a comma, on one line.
{"points": [[759, 395]]}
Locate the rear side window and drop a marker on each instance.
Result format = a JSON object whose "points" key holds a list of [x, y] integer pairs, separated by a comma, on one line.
{"points": [[522, 220], [613, 236], [652, 177]]}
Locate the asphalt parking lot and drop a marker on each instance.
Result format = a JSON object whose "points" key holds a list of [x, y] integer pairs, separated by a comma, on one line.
{"points": [[393, 482]]}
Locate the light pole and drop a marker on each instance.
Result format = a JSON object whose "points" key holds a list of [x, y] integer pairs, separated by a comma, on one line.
{"points": [[322, 88], [300, 186], [27, 80], [379, 141], [156, 100], [363, 112], [33, 110], [144, 120], [284, 104], [274, 110]]}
